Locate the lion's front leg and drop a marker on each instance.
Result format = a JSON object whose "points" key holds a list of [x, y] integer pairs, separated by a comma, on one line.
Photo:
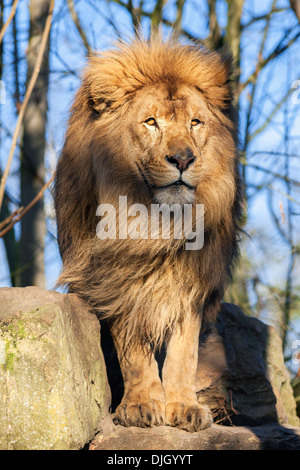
{"points": [[143, 401], [179, 374]]}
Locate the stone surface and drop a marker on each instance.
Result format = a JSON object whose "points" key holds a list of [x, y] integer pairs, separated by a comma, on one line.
{"points": [[241, 371], [54, 393], [266, 437], [241, 374], [53, 385], [296, 388]]}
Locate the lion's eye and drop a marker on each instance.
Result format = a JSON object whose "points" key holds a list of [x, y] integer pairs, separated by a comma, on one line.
{"points": [[151, 121], [195, 122]]}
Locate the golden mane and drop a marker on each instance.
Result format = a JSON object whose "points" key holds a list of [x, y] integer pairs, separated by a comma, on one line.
{"points": [[114, 76]]}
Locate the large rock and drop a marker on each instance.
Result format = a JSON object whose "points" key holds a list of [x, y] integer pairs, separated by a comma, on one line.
{"points": [[241, 371], [53, 385], [54, 393], [241, 374], [267, 437]]}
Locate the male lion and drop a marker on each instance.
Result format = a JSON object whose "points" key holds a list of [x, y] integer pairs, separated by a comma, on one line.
{"points": [[152, 121]]}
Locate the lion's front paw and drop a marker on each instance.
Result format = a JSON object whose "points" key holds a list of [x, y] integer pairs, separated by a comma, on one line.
{"points": [[147, 414], [191, 417]]}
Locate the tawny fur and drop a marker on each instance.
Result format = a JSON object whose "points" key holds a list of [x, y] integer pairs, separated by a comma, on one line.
{"points": [[145, 287]]}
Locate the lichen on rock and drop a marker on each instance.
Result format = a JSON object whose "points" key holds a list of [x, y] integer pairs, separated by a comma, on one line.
{"points": [[53, 383]]}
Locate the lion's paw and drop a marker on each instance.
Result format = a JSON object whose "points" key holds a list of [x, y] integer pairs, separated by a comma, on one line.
{"points": [[147, 414], [191, 417]]}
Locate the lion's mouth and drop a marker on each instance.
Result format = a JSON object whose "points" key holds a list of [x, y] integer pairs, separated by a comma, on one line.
{"points": [[177, 183]]}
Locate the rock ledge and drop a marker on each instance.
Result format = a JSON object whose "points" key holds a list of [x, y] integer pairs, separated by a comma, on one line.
{"points": [[270, 436]]}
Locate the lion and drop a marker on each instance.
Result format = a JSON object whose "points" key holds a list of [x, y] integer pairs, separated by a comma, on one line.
{"points": [[153, 121]]}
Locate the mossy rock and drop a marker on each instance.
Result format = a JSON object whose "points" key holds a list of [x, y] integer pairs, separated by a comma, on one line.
{"points": [[53, 384]]}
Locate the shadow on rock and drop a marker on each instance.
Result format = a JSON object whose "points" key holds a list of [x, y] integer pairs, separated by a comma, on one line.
{"points": [[241, 373]]}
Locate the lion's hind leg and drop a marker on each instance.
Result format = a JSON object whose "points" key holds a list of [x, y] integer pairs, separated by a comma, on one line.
{"points": [[143, 401]]}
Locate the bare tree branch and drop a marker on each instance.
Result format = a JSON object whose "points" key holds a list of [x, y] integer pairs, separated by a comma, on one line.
{"points": [[11, 15], [109, 20], [277, 51], [177, 23], [78, 26], [156, 15], [260, 54], [19, 213], [10, 217], [262, 17], [285, 178], [26, 99], [271, 115], [295, 4]]}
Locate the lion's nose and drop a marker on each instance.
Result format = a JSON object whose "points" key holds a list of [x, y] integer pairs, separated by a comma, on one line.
{"points": [[182, 160]]}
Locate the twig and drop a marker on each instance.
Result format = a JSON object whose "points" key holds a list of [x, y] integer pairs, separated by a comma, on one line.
{"points": [[271, 115], [22, 211], [147, 14], [109, 20], [11, 15], [290, 198], [279, 49], [10, 217], [78, 26], [263, 17], [178, 20], [272, 173], [249, 112], [295, 4], [156, 15], [29, 90]]}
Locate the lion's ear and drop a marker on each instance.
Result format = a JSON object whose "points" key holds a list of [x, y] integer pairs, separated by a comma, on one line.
{"points": [[96, 89], [99, 105], [97, 100]]}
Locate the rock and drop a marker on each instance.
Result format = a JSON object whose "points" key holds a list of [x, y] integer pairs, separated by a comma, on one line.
{"points": [[296, 389], [267, 437], [242, 376], [53, 385], [54, 392], [241, 371]]}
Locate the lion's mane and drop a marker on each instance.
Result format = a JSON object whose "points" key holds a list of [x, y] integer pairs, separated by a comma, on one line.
{"points": [[145, 286]]}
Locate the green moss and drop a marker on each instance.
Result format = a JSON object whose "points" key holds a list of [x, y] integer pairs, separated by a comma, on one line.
{"points": [[11, 334], [10, 356], [15, 329]]}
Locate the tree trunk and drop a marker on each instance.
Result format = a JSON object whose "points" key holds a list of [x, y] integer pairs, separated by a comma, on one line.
{"points": [[33, 227], [10, 245], [233, 37]]}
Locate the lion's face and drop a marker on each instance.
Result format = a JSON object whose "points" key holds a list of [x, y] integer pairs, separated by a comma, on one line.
{"points": [[167, 135]]}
